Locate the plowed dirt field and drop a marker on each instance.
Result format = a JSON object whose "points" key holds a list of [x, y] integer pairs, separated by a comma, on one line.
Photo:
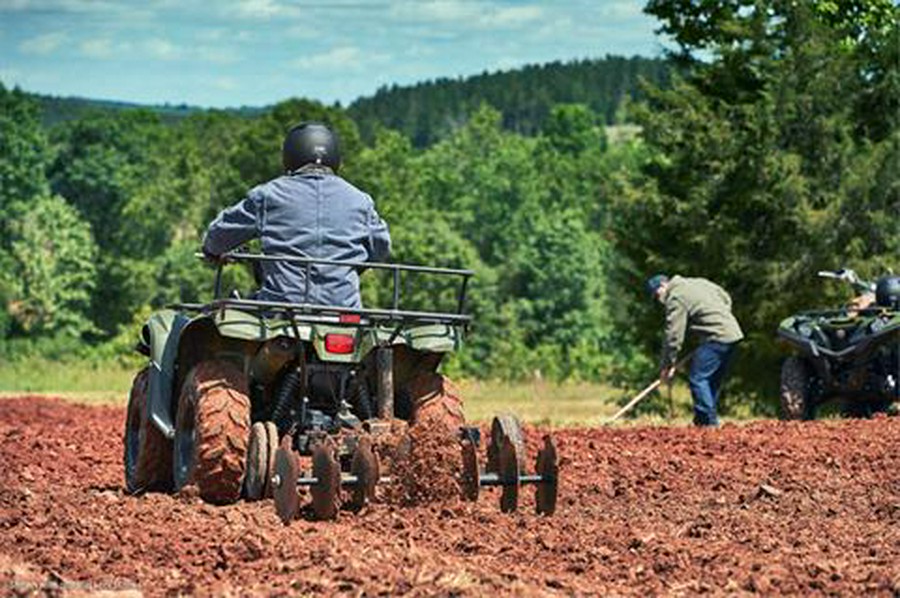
{"points": [[768, 507]]}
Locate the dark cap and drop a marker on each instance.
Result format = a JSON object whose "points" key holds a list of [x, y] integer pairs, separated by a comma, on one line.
{"points": [[654, 282]]}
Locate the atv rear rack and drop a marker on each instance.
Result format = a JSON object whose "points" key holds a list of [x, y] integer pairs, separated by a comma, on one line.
{"points": [[328, 313], [311, 312]]}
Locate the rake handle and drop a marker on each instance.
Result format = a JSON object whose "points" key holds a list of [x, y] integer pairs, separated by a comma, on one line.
{"points": [[640, 396]]}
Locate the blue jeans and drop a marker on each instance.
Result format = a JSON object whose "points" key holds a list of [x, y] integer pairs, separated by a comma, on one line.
{"points": [[708, 369]]}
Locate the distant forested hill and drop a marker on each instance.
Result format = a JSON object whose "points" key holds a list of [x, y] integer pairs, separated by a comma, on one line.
{"points": [[55, 109], [427, 111]]}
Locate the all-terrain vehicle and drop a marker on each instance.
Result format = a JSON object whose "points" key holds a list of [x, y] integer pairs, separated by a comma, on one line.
{"points": [[251, 398], [850, 354]]}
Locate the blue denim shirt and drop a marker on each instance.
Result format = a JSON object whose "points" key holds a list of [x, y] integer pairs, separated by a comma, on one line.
{"points": [[313, 214]]}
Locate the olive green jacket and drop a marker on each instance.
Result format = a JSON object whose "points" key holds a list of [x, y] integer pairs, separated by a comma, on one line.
{"points": [[701, 307]]}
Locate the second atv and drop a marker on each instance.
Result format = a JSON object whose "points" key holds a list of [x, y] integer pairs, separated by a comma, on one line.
{"points": [[849, 355]]}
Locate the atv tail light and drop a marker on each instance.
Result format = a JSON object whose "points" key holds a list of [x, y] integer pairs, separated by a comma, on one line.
{"points": [[339, 343], [350, 318]]}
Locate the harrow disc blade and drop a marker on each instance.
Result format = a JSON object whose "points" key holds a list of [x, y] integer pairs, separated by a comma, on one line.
{"points": [[505, 427], [470, 484], [287, 472], [327, 471], [509, 458], [365, 467], [548, 468], [257, 462], [272, 436]]}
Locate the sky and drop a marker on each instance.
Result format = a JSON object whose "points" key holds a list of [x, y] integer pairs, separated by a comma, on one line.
{"points": [[230, 53]]}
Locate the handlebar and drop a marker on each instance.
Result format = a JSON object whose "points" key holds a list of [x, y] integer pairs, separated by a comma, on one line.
{"points": [[851, 277]]}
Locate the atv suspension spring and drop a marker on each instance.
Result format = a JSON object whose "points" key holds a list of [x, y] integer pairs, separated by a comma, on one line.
{"points": [[281, 415]]}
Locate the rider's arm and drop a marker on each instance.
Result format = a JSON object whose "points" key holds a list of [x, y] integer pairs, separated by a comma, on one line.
{"points": [[234, 226], [379, 239], [676, 327]]}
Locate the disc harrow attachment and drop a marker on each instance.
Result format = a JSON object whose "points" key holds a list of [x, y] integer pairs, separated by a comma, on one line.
{"points": [[326, 479], [332, 489], [505, 456]]}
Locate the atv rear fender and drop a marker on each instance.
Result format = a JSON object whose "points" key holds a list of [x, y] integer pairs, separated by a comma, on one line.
{"points": [[243, 326], [161, 334]]}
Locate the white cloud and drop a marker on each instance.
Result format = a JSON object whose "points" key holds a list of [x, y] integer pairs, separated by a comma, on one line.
{"points": [[482, 15], [345, 57], [98, 48], [302, 32], [70, 6], [162, 49], [42, 44], [435, 10], [512, 16], [217, 55], [262, 9], [212, 35], [622, 10], [159, 48], [224, 83]]}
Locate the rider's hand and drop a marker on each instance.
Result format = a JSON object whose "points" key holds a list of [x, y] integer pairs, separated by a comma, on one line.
{"points": [[666, 374], [209, 257], [862, 301]]}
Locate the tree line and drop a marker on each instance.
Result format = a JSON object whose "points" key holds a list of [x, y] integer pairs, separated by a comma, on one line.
{"points": [[772, 154], [525, 97]]}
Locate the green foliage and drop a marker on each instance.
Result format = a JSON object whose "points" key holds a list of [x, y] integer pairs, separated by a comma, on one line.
{"points": [[22, 160], [23, 151], [47, 253], [518, 211], [49, 273]]}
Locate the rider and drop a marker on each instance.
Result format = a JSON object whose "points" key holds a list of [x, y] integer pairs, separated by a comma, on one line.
{"points": [[310, 212]]}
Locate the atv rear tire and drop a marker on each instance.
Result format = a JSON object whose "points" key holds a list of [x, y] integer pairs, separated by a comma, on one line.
{"points": [[434, 397], [212, 431], [795, 400], [148, 453]]}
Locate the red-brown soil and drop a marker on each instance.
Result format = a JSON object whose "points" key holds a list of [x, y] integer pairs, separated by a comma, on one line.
{"points": [[769, 507]]}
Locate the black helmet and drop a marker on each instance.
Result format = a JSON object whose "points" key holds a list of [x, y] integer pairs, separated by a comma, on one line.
{"points": [[887, 292], [310, 143]]}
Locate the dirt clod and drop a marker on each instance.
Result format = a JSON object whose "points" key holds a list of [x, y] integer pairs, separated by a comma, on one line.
{"points": [[427, 471]]}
